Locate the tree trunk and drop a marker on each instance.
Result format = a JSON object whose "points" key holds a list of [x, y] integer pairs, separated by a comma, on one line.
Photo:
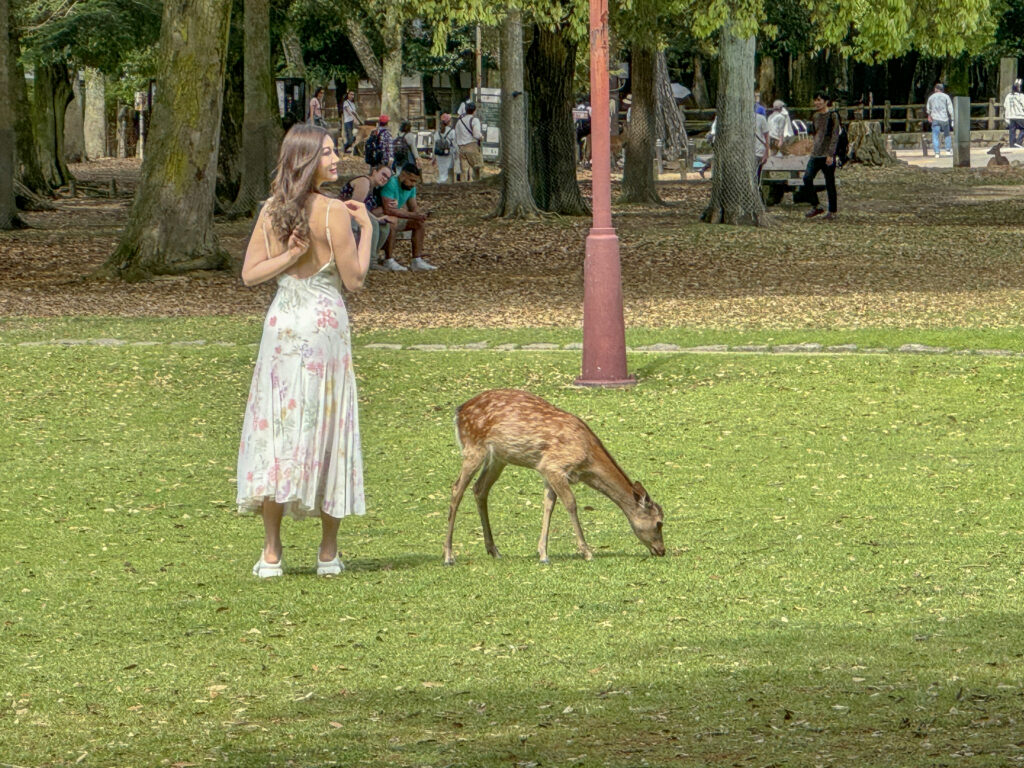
{"points": [[638, 173], [95, 115], [74, 123], [766, 80], [291, 45], [123, 121], [867, 144], [550, 69], [170, 229], [516, 199], [232, 114], [735, 196], [671, 126], [700, 85], [8, 212], [52, 94], [391, 79], [802, 79], [364, 52], [26, 159], [261, 129]]}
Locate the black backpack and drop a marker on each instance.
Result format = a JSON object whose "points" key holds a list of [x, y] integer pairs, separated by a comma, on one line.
{"points": [[843, 145], [401, 151], [443, 144], [373, 152]]}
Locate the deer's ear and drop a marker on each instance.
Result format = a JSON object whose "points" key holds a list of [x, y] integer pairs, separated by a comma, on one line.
{"points": [[639, 492]]}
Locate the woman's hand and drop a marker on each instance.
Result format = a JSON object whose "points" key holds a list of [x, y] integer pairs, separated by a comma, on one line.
{"points": [[358, 212], [297, 245]]}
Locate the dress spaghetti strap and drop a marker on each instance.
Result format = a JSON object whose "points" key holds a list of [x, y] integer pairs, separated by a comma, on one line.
{"points": [[327, 227]]}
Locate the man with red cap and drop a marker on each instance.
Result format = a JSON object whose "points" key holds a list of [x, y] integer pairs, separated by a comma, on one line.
{"points": [[380, 146]]}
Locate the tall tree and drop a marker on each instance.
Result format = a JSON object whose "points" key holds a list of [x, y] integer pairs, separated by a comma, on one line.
{"points": [[735, 195], [550, 68], [364, 50], [638, 174], [50, 98], [261, 128], [170, 229], [391, 71], [8, 213], [516, 199]]}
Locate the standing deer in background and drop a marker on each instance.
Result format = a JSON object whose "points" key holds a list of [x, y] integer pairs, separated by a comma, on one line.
{"points": [[508, 426]]}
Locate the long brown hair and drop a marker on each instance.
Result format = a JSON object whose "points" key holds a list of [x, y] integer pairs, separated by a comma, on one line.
{"points": [[294, 180]]}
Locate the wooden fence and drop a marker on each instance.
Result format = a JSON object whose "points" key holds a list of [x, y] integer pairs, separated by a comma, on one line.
{"points": [[895, 118]]}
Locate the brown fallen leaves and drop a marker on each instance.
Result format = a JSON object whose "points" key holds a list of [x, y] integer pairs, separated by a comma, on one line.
{"points": [[912, 248]]}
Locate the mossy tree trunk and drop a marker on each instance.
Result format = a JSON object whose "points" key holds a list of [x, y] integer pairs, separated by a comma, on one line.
{"points": [[364, 52], [516, 199], [51, 95], [95, 115], [8, 212], [261, 129], [638, 174], [391, 78], [232, 114], [170, 229], [26, 161], [550, 70], [735, 195]]}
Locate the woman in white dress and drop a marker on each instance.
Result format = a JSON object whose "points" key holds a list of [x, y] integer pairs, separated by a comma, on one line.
{"points": [[300, 453]]}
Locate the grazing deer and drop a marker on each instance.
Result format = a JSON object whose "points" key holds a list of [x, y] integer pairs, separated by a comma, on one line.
{"points": [[508, 426], [998, 160]]}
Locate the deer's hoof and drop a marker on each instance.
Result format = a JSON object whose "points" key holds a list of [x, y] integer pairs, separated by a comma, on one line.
{"points": [[449, 561], [545, 561], [587, 555]]}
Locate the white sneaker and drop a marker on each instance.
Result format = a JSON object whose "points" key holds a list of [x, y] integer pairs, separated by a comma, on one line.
{"points": [[393, 266], [938, 154], [329, 567], [420, 264], [265, 570]]}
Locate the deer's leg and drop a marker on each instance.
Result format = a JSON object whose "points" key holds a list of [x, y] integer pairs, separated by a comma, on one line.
{"points": [[491, 472], [565, 495], [545, 524], [470, 464]]}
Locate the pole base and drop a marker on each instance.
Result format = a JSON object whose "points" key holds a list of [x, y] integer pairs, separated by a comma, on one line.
{"points": [[629, 381]]}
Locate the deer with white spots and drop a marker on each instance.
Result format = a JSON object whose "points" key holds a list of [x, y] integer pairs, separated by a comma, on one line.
{"points": [[507, 426]]}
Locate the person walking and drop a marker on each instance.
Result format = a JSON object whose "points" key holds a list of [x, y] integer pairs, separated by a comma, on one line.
{"points": [[300, 452], [940, 114], [823, 158], [1013, 113], [780, 126], [316, 109], [405, 147], [444, 148], [350, 119], [468, 136], [762, 144], [379, 148]]}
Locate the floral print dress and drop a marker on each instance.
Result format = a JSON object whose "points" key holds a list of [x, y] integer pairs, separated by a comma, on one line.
{"points": [[300, 438]]}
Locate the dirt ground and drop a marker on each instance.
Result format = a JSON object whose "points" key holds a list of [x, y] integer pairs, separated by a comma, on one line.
{"points": [[912, 248]]}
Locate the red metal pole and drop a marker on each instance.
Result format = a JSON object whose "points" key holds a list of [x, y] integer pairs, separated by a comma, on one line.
{"points": [[604, 330]]}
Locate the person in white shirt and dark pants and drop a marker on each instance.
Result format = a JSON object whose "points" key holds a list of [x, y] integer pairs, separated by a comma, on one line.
{"points": [[1013, 113], [468, 135]]}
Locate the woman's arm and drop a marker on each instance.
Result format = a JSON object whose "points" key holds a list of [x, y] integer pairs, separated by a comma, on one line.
{"points": [[353, 261], [266, 256]]}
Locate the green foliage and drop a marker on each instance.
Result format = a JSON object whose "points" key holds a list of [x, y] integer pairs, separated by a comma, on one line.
{"points": [[94, 33]]}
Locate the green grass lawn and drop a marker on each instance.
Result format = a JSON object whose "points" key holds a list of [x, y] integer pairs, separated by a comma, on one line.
{"points": [[843, 584]]}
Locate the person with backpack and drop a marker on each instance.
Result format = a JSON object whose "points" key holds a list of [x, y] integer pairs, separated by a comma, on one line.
{"points": [[444, 148], [468, 135], [380, 146], [405, 147], [827, 131]]}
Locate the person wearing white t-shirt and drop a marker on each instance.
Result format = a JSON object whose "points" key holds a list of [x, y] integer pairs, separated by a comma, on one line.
{"points": [[349, 117], [468, 135], [1013, 113], [940, 114], [780, 126]]}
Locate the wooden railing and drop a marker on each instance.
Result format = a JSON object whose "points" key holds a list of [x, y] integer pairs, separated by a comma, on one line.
{"points": [[895, 118]]}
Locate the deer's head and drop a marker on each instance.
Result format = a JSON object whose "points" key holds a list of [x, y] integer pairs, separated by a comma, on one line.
{"points": [[646, 519]]}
